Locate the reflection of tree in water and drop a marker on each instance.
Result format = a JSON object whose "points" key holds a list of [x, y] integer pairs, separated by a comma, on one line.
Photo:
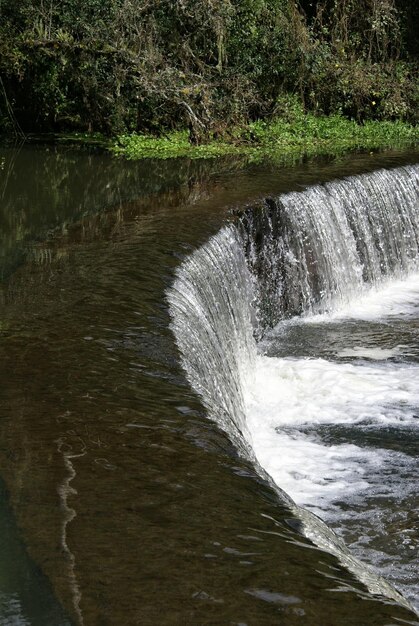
{"points": [[44, 188]]}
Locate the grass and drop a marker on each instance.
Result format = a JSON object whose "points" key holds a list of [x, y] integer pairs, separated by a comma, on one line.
{"points": [[172, 145], [281, 139]]}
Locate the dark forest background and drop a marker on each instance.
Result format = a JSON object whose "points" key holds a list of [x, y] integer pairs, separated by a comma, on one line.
{"points": [[114, 66]]}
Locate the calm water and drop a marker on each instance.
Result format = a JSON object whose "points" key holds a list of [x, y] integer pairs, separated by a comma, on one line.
{"points": [[120, 502]]}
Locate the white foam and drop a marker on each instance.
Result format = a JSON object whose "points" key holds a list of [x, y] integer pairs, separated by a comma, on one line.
{"points": [[291, 391], [286, 395], [391, 299], [292, 403]]}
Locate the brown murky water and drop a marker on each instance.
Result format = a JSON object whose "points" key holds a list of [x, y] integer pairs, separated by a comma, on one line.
{"points": [[122, 504]]}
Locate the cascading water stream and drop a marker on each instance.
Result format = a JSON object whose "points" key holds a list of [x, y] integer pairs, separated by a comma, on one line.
{"points": [[319, 249], [302, 273]]}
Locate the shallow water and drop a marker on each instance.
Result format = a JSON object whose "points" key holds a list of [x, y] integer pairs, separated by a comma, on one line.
{"points": [[129, 506]]}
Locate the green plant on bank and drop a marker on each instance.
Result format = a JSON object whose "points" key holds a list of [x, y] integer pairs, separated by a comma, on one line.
{"points": [[174, 144], [295, 134]]}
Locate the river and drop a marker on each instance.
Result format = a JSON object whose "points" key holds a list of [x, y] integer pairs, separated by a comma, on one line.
{"points": [[122, 500]]}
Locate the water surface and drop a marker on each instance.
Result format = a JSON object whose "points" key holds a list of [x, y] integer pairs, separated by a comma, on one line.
{"points": [[128, 505]]}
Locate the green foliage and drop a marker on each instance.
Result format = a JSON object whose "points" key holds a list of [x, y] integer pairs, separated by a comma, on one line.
{"points": [[293, 135], [258, 38], [175, 144], [350, 61], [123, 66]]}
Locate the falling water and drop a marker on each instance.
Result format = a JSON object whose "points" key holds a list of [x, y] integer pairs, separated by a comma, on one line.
{"points": [[267, 316], [212, 321], [317, 250]]}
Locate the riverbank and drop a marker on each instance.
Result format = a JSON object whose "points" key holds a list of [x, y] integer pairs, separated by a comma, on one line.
{"points": [[286, 139], [280, 140]]}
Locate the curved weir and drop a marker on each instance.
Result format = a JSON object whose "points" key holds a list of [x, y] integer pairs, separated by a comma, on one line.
{"points": [[297, 326]]}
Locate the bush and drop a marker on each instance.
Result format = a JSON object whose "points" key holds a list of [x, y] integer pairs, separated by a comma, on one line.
{"points": [[118, 66]]}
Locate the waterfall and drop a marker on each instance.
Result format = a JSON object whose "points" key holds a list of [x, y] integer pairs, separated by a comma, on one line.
{"points": [[294, 257], [315, 250], [210, 304]]}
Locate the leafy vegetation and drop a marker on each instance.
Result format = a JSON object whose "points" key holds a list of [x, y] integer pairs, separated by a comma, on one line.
{"points": [[284, 138], [202, 66]]}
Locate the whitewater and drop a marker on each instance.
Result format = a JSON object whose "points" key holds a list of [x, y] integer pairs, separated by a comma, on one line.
{"points": [[298, 325]]}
